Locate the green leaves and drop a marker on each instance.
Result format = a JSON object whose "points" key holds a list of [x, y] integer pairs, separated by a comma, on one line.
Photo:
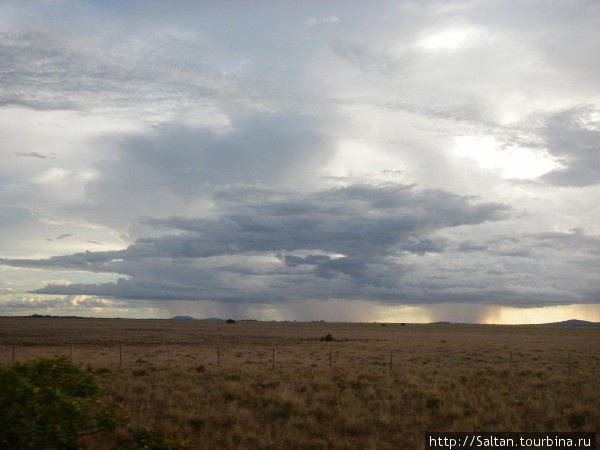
{"points": [[54, 404], [51, 403]]}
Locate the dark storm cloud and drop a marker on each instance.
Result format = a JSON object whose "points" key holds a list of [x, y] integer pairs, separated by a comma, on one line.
{"points": [[341, 242], [354, 220]]}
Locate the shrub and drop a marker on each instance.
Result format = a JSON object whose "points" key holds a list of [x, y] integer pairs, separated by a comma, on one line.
{"points": [[196, 424], [51, 403], [578, 417], [54, 404], [433, 403], [327, 338], [230, 321], [151, 438]]}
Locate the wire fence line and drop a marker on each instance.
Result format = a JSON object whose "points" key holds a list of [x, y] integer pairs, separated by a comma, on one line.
{"points": [[273, 357]]}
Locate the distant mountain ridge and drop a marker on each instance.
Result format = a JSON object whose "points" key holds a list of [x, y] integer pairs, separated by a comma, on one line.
{"points": [[574, 323]]}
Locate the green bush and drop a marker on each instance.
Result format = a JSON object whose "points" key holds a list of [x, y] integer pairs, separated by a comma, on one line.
{"points": [[327, 338], [54, 404], [51, 404]]}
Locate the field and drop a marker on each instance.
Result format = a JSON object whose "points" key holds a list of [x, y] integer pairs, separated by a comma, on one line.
{"points": [[275, 385]]}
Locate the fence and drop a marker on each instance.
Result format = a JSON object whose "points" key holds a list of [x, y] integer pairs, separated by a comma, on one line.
{"points": [[327, 355]]}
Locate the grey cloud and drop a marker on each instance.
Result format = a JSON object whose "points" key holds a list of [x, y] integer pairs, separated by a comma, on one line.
{"points": [[527, 269], [54, 69], [178, 165], [377, 61], [293, 260], [352, 267], [34, 155], [316, 21], [352, 236], [354, 220], [575, 242], [62, 236], [573, 137], [342, 243]]}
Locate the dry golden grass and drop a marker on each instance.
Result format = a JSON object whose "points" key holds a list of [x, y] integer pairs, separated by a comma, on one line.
{"points": [[443, 378]]}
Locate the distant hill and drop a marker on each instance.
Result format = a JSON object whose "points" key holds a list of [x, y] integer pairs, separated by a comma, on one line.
{"points": [[208, 319], [574, 323]]}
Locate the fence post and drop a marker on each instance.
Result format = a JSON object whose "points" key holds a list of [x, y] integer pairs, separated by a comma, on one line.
{"points": [[391, 359], [273, 358], [120, 355], [168, 355], [510, 361]]}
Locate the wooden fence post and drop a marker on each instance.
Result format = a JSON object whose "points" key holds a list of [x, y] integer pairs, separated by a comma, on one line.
{"points": [[120, 355], [391, 359], [273, 358]]}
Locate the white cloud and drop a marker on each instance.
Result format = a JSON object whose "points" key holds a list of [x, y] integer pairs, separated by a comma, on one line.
{"points": [[451, 39], [512, 161]]}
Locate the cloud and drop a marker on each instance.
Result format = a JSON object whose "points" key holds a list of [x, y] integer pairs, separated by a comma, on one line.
{"points": [[62, 67], [573, 137], [176, 166], [339, 151], [34, 155], [50, 303], [315, 21], [347, 242]]}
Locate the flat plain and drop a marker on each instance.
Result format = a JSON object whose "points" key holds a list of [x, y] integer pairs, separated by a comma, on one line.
{"points": [[262, 385]]}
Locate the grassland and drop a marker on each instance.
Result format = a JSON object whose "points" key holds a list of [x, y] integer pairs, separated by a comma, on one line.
{"points": [[374, 387]]}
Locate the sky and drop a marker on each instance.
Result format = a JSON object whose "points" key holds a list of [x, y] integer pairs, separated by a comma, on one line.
{"points": [[402, 161]]}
